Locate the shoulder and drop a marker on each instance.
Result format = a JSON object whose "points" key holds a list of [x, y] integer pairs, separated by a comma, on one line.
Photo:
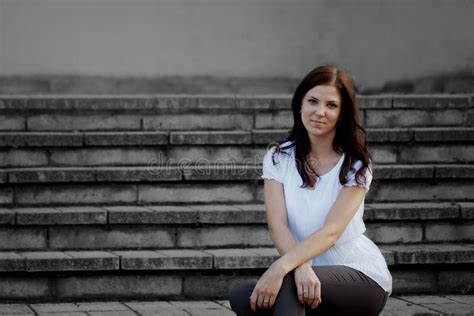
{"points": [[358, 164], [356, 178], [275, 162], [285, 152]]}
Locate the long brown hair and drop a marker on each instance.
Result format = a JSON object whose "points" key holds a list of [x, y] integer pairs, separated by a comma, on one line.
{"points": [[350, 135]]}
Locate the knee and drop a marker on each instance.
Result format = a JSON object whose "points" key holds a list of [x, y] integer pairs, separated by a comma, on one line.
{"points": [[239, 295], [289, 281], [288, 286]]}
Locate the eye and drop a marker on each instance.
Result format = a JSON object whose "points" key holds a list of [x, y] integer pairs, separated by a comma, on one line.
{"points": [[332, 105], [312, 101]]}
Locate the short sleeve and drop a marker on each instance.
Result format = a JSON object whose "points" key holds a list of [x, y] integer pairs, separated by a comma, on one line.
{"points": [[270, 170], [351, 181]]}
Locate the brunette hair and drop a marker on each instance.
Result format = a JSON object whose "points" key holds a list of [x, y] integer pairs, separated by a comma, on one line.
{"points": [[350, 135]]}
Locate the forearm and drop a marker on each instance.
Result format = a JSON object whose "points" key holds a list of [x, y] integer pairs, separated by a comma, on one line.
{"points": [[316, 244], [283, 239]]}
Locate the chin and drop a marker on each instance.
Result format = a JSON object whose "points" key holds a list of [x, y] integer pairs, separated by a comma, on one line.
{"points": [[316, 133]]}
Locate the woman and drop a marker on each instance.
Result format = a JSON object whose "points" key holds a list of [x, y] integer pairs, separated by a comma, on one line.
{"points": [[315, 185]]}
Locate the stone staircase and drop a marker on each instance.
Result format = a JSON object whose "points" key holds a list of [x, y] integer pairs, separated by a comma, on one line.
{"points": [[160, 197]]}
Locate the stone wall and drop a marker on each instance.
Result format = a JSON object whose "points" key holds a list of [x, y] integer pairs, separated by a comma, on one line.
{"points": [[377, 41]]}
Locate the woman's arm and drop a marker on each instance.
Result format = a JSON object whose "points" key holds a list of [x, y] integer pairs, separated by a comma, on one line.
{"points": [[341, 213], [305, 278], [276, 216]]}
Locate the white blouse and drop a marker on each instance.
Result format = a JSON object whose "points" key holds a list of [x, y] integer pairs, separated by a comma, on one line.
{"points": [[308, 208]]}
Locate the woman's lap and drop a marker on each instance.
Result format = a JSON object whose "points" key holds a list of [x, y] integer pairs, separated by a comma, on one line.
{"points": [[347, 290], [344, 291]]}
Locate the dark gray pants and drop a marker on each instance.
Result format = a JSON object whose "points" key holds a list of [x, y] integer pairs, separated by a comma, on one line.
{"points": [[344, 291]]}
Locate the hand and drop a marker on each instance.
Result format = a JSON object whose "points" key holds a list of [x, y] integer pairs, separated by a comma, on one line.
{"points": [[267, 288], [308, 285]]}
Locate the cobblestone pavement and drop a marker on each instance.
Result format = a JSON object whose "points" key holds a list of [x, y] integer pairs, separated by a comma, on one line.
{"points": [[396, 305]]}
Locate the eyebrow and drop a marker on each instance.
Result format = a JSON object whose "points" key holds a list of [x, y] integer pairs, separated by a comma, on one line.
{"points": [[330, 101]]}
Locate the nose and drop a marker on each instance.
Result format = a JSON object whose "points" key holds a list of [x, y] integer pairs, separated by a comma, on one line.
{"points": [[320, 112]]}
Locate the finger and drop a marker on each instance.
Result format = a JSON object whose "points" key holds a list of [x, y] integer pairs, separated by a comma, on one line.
{"points": [[318, 293], [315, 304], [265, 302], [305, 294], [311, 294], [272, 301], [253, 301], [317, 300], [300, 293], [260, 301]]}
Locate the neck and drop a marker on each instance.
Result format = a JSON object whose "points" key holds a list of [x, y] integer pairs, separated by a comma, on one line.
{"points": [[321, 146]]}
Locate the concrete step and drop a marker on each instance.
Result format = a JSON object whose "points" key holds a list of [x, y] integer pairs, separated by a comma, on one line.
{"points": [[392, 145], [453, 153], [208, 259], [210, 184], [407, 305], [176, 192], [259, 137], [192, 112], [93, 84], [212, 226], [210, 172], [95, 194], [204, 274]]}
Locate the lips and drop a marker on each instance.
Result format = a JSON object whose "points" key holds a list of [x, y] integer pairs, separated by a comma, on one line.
{"points": [[318, 122]]}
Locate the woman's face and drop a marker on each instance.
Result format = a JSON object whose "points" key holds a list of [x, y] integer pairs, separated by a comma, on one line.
{"points": [[320, 110]]}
